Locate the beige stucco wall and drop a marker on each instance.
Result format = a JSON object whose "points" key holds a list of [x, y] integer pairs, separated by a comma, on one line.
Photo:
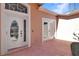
{"points": [[36, 23], [0, 28]]}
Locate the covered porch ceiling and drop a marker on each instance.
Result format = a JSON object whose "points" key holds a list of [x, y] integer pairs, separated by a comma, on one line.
{"points": [[61, 9]]}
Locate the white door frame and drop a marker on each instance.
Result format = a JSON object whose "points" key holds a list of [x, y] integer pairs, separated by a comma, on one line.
{"points": [[44, 20], [49, 21], [4, 49]]}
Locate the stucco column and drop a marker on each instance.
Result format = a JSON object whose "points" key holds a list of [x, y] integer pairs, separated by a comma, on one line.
{"points": [[0, 29], [57, 20]]}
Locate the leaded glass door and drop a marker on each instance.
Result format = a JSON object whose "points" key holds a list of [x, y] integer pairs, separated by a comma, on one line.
{"points": [[16, 27]]}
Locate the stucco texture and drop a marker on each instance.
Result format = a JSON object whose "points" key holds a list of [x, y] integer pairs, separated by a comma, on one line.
{"points": [[36, 23]]}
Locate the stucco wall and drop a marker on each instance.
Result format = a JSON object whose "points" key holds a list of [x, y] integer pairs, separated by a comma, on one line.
{"points": [[0, 28], [36, 23]]}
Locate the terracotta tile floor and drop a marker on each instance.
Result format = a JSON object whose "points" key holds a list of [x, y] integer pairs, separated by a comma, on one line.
{"points": [[49, 48]]}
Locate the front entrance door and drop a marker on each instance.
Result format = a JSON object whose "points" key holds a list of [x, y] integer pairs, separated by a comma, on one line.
{"points": [[16, 31]]}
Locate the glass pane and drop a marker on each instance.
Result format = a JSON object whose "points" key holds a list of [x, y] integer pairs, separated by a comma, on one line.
{"points": [[16, 7], [6, 6], [13, 6], [22, 8], [14, 30]]}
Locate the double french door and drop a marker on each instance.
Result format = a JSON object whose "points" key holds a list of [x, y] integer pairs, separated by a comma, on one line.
{"points": [[16, 30]]}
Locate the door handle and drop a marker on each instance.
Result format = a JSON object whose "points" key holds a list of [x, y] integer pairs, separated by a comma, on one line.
{"points": [[21, 33]]}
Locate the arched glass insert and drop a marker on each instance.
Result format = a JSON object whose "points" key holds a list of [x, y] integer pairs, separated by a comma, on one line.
{"points": [[14, 29]]}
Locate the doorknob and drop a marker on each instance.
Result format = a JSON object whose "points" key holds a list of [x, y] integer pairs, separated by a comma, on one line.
{"points": [[21, 33]]}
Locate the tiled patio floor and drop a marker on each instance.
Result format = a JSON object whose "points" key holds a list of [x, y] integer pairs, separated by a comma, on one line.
{"points": [[49, 48]]}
